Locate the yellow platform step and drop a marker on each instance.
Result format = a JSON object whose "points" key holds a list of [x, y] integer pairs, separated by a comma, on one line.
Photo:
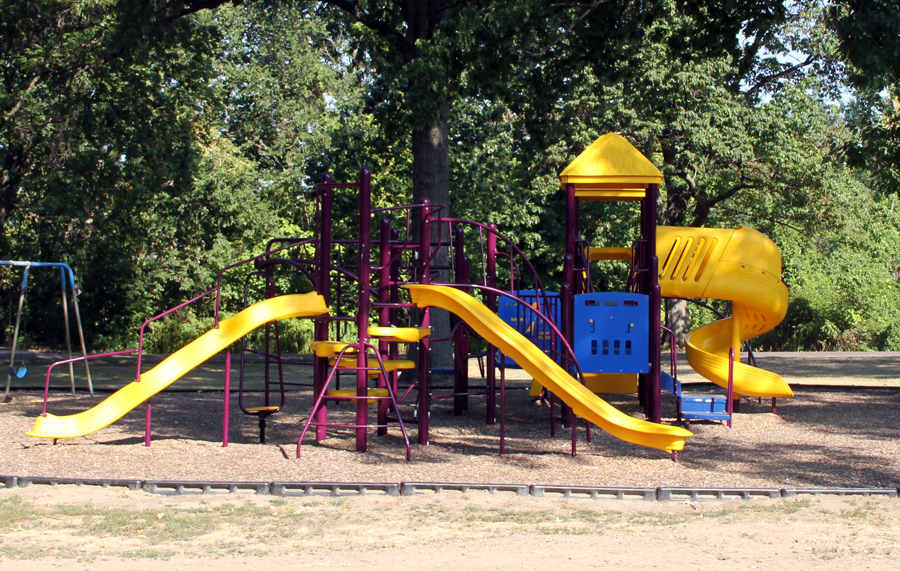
{"points": [[330, 348], [399, 334], [372, 392]]}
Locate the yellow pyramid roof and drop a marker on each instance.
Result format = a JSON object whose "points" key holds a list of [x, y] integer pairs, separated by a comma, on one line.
{"points": [[611, 169]]}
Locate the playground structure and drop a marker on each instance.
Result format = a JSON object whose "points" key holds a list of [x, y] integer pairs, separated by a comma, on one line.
{"points": [[575, 343], [67, 284]]}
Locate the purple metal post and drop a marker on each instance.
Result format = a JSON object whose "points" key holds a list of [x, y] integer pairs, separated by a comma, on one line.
{"points": [[730, 384], [384, 318], [424, 401], [362, 323], [323, 287], [492, 305], [654, 409], [460, 342], [567, 293], [393, 313], [147, 421], [227, 404]]}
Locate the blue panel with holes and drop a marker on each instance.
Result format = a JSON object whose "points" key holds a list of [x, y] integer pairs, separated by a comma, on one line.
{"points": [[612, 332], [527, 322]]}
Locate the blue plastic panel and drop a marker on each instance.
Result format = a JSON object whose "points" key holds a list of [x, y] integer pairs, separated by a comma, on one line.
{"points": [[526, 321], [612, 332]]}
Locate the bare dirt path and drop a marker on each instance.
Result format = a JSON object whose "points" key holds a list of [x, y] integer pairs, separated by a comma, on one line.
{"points": [[79, 528]]}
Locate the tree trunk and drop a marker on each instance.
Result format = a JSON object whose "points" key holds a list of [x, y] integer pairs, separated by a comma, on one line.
{"points": [[678, 319], [431, 180]]}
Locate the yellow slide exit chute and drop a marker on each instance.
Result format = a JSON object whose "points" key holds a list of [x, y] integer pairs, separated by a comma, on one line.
{"points": [[740, 265]]}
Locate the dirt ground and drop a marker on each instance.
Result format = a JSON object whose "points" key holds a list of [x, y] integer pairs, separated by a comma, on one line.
{"points": [[828, 436], [75, 528]]}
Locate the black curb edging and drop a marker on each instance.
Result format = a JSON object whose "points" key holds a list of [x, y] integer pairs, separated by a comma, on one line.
{"points": [[347, 489]]}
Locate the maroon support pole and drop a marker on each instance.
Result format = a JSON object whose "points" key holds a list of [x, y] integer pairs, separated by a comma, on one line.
{"points": [[148, 419], [567, 293], [654, 406], [460, 341], [492, 305], [424, 251], [227, 404], [384, 295], [393, 313], [362, 323], [323, 288]]}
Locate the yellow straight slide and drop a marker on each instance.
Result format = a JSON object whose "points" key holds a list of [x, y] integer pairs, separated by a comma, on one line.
{"points": [[544, 370], [740, 265], [177, 365]]}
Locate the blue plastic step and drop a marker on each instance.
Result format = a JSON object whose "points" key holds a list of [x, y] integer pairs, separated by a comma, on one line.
{"points": [[704, 407]]}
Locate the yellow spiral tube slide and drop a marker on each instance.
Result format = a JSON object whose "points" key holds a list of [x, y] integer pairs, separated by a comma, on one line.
{"points": [[740, 265]]}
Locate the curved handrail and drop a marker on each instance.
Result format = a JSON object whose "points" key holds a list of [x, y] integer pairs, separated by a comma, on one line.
{"points": [[74, 360], [247, 261], [140, 348]]}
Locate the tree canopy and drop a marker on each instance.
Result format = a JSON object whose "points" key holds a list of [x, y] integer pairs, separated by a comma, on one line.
{"points": [[149, 144]]}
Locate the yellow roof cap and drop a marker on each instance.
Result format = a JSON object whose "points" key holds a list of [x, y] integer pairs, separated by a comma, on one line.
{"points": [[611, 161]]}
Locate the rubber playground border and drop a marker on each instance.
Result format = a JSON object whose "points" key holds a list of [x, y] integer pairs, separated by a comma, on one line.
{"points": [[346, 489]]}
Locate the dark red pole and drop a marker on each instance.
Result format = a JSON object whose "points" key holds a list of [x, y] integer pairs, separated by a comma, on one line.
{"points": [[492, 305], [654, 406], [362, 322], [323, 287], [460, 342], [424, 402]]}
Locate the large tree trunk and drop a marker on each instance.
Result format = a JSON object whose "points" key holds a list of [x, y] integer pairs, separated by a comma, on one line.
{"points": [[431, 180], [678, 319]]}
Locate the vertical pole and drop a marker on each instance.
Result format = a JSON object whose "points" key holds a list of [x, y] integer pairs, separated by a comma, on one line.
{"points": [[730, 403], [384, 295], [323, 286], [148, 417], [736, 320], [568, 288], [423, 409], [362, 322], [65, 308], [87, 368], [460, 341], [12, 350], [393, 313], [654, 392], [227, 404], [492, 305]]}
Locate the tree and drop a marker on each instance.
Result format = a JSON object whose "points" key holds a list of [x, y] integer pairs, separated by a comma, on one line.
{"points": [[62, 58]]}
